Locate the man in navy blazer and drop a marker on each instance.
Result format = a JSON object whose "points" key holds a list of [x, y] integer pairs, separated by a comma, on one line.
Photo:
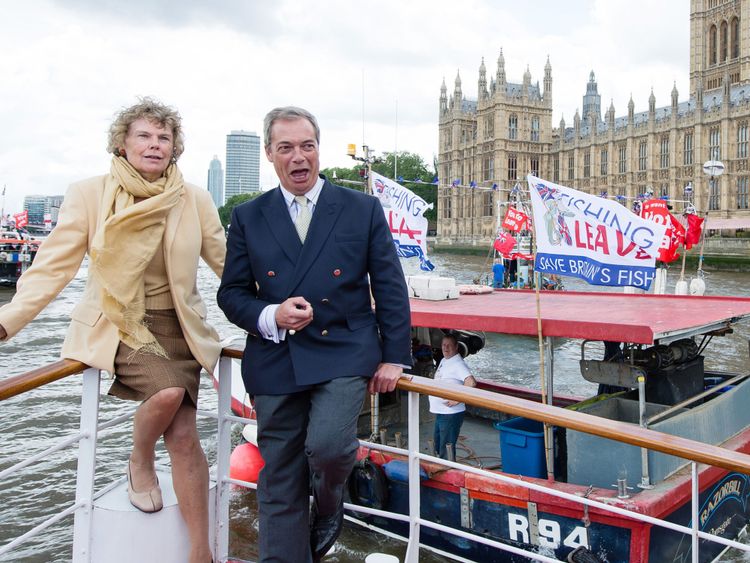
{"points": [[304, 262]]}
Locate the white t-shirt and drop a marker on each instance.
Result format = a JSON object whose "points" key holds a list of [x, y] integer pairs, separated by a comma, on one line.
{"points": [[452, 371]]}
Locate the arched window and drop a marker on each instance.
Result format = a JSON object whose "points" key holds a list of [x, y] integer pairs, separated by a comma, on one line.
{"points": [[735, 38], [513, 126], [534, 128], [712, 45], [724, 42]]}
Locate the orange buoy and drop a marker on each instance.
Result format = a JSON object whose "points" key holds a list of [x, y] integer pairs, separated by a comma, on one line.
{"points": [[246, 462]]}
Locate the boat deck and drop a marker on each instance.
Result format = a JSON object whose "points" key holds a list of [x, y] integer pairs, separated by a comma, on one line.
{"points": [[478, 444], [618, 317]]}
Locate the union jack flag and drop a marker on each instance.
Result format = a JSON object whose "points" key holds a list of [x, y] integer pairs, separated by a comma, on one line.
{"points": [[562, 226], [546, 192]]}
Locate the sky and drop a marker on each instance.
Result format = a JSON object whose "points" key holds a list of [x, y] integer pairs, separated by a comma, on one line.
{"points": [[369, 71]]}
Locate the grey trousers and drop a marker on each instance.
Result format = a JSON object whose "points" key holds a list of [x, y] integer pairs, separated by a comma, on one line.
{"points": [[306, 437]]}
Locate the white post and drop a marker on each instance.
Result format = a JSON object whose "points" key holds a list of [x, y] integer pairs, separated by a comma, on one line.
{"points": [[86, 467], [224, 443], [412, 551], [694, 509]]}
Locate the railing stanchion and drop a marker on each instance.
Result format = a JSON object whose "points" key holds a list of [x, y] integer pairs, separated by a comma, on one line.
{"points": [[224, 443], [694, 507], [412, 550], [86, 467]]}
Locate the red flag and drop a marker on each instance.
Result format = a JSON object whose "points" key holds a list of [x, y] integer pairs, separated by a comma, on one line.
{"points": [[521, 255], [22, 219], [676, 234], [695, 226], [515, 220], [656, 210], [504, 243]]}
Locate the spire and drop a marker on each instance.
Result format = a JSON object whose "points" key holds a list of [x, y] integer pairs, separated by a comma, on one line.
{"points": [[443, 97], [592, 101], [675, 96], [547, 95], [526, 82], [611, 114], [482, 84], [631, 109], [501, 70], [562, 124], [457, 94], [652, 103], [527, 76]]}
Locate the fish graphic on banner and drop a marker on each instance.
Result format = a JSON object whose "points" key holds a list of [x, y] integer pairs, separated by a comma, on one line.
{"points": [[404, 211], [592, 238]]}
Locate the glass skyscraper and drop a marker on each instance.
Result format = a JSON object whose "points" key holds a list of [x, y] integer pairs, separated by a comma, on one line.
{"points": [[216, 182], [243, 163]]}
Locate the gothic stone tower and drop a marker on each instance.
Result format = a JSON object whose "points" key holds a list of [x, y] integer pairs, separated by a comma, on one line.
{"points": [[719, 42]]}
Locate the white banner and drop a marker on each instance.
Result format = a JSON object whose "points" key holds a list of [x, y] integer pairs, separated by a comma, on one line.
{"points": [[404, 211], [592, 238]]}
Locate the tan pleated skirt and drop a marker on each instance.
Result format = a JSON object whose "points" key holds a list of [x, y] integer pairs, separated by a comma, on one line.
{"points": [[140, 375]]}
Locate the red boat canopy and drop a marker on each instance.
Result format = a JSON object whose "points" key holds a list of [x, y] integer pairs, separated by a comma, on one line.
{"points": [[638, 319]]}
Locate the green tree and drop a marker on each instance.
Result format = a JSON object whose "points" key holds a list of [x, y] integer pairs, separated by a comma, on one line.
{"points": [[225, 211], [349, 177], [409, 167]]}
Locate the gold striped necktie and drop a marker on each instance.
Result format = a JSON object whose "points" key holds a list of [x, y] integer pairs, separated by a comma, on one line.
{"points": [[303, 216]]}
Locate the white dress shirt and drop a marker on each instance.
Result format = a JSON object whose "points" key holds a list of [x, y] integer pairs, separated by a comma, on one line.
{"points": [[267, 319]]}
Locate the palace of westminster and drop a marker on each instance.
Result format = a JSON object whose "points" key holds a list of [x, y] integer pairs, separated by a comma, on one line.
{"points": [[507, 133]]}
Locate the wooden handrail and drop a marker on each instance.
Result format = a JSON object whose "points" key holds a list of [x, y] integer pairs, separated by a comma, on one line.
{"points": [[234, 351], [18, 384], [582, 422]]}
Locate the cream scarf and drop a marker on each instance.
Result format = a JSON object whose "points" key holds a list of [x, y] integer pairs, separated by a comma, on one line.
{"points": [[127, 237]]}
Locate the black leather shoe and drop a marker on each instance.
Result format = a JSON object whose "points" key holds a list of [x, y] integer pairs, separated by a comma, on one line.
{"points": [[324, 530]]}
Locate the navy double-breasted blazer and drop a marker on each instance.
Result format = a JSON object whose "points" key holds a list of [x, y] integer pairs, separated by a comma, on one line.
{"points": [[348, 252]]}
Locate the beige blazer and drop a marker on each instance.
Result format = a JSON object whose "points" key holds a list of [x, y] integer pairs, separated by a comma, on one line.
{"points": [[193, 231]]}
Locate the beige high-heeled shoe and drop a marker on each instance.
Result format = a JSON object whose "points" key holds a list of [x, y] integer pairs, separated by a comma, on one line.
{"points": [[146, 501]]}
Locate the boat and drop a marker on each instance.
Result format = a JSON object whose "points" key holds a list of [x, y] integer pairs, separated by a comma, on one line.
{"points": [[658, 383], [480, 509], [17, 252]]}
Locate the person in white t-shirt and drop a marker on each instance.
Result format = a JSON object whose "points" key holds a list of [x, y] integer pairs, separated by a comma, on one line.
{"points": [[449, 415]]}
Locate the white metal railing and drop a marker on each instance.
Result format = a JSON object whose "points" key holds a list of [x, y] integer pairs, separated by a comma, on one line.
{"points": [[86, 438], [416, 522]]}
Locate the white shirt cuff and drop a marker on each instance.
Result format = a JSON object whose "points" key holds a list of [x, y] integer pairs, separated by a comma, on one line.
{"points": [[267, 325]]}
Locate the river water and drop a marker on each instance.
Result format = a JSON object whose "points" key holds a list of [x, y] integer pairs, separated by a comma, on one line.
{"points": [[37, 419]]}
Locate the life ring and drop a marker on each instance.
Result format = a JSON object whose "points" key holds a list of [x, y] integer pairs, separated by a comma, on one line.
{"points": [[368, 485]]}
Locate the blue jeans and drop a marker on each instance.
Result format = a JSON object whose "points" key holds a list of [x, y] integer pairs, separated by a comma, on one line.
{"points": [[447, 428]]}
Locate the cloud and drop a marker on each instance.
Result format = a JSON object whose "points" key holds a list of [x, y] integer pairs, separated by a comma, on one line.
{"points": [[258, 18], [70, 64]]}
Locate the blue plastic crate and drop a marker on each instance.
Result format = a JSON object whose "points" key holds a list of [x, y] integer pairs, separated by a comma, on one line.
{"points": [[522, 447]]}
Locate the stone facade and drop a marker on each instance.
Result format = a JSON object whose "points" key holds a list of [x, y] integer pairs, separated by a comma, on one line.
{"points": [[507, 133]]}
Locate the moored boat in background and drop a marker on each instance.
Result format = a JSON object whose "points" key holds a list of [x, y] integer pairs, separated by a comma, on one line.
{"points": [[17, 252]]}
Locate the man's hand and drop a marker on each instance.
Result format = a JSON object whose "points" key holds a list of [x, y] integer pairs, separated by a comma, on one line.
{"points": [[385, 378], [294, 314]]}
